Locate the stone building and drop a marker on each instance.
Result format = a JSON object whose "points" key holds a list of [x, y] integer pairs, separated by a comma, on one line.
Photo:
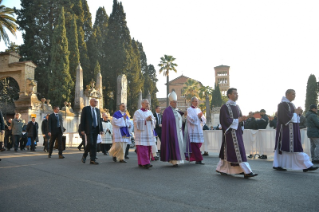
{"points": [[222, 78], [177, 85]]}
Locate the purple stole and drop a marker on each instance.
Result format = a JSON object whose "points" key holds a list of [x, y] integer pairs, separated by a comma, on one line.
{"points": [[124, 130]]}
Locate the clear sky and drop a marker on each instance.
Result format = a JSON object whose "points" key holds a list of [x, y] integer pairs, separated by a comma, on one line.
{"points": [[270, 45]]}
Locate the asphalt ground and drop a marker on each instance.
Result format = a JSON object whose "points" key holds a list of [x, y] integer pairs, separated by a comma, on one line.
{"points": [[30, 181]]}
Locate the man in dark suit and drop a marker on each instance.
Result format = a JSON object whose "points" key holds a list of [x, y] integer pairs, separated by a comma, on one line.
{"points": [[32, 131], [46, 137], [91, 125], [158, 117], [55, 130], [1, 131]]}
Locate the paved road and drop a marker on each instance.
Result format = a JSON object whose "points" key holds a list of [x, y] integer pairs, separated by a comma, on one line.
{"points": [[32, 182]]}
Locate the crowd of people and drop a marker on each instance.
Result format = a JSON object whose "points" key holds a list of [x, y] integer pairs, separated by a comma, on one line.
{"points": [[180, 134]]}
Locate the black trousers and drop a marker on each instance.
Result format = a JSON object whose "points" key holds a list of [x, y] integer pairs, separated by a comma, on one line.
{"points": [[91, 144], [8, 140], [83, 142], [32, 143], [16, 139], [127, 149], [23, 141], [105, 147], [57, 136], [46, 142]]}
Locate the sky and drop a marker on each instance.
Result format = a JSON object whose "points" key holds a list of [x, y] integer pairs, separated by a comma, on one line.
{"points": [[269, 45]]}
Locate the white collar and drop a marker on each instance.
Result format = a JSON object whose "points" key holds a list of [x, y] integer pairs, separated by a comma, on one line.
{"points": [[284, 99], [231, 102]]}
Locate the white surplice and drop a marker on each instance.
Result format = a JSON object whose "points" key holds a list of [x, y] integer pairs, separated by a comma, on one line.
{"points": [[195, 125], [143, 129], [117, 124], [107, 133]]}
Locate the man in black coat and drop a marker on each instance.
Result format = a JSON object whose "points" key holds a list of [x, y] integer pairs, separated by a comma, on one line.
{"points": [[55, 130], [32, 131], [250, 122], [82, 138], [8, 135], [158, 117], [1, 131], [46, 137], [91, 125]]}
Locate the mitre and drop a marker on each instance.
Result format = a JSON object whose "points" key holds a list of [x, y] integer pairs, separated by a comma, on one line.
{"points": [[172, 96]]}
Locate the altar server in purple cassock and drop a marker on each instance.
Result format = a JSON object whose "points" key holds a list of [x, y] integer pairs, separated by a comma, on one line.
{"points": [[194, 132], [232, 153], [121, 135], [288, 150], [144, 124], [172, 147]]}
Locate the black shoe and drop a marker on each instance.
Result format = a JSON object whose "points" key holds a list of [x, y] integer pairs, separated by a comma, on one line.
{"points": [[222, 173], [79, 148], [94, 162], [312, 168], [279, 168], [15, 150], [205, 154], [127, 157], [156, 158], [123, 161], [250, 175], [105, 154], [49, 156], [263, 157], [250, 156], [200, 162], [175, 165], [83, 159], [114, 159], [61, 156]]}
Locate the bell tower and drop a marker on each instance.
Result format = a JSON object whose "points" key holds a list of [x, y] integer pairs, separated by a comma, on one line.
{"points": [[222, 78]]}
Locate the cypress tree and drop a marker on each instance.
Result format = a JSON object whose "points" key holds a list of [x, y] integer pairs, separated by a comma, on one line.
{"points": [[97, 69], [60, 83], [311, 94], [216, 97], [87, 18], [117, 53], [72, 35], [97, 39], [84, 59], [149, 77], [134, 77], [36, 20]]}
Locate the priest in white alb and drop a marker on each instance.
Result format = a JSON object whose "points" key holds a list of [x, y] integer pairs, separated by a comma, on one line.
{"points": [[194, 132], [121, 134], [144, 124]]}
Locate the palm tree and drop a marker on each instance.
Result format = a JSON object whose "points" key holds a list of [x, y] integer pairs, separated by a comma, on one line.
{"points": [[191, 89], [7, 22], [167, 64], [204, 91]]}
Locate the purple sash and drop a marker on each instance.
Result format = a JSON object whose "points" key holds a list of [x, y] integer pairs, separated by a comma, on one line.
{"points": [[124, 130]]}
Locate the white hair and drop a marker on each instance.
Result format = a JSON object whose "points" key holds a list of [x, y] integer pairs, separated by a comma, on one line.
{"points": [[144, 100]]}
